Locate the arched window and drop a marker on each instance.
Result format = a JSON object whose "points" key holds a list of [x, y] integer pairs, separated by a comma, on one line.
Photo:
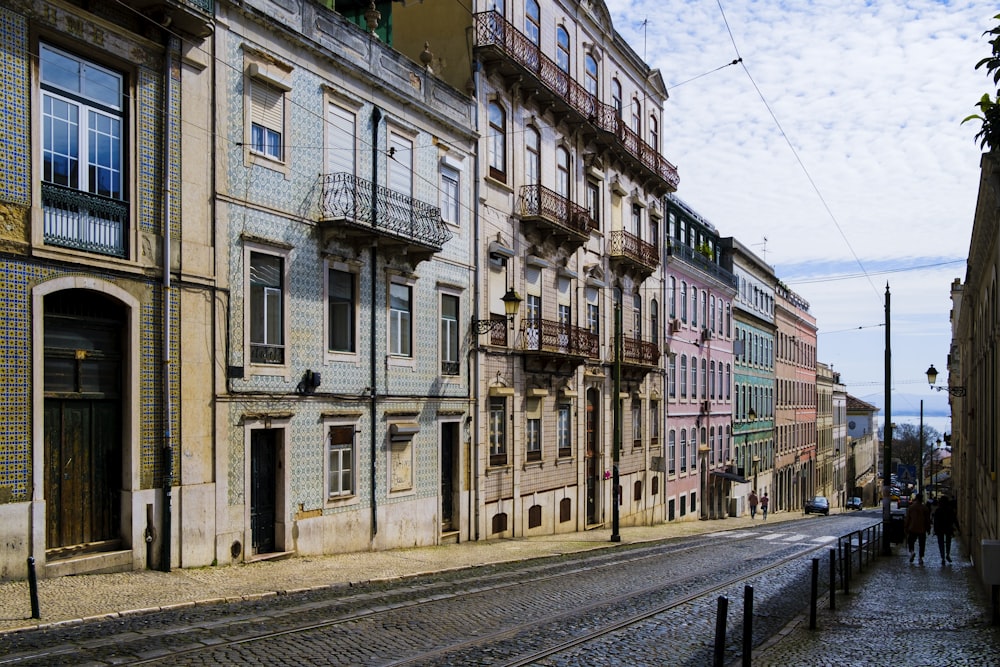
{"points": [[498, 142], [654, 134], [683, 375], [532, 21], [562, 172], [636, 116], [533, 156], [616, 96], [654, 321], [590, 82], [562, 49]]}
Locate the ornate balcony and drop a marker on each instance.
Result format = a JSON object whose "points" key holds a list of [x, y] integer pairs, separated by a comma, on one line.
{"points": [[555, 216], [84, 221], [639, 357], [632, 255], [194, 17], [356, 209], [679, 251], [556, 347], [503, 49]]}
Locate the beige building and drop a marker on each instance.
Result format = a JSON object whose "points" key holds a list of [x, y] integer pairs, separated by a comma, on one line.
{"points": [[864, 462]]}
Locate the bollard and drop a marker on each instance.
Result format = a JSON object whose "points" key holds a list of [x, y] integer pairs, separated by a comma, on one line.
{"points": [[847, 569], [719, 657], [33, 588], [747, 625], [833, 579], [813, 593], [861, 552]]}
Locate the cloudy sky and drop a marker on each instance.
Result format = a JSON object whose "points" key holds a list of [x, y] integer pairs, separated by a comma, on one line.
{"points": [[835, 151]]}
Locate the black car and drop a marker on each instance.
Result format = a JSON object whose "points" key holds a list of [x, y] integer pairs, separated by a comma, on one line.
{"points": [[854, 503], [818, 505]]}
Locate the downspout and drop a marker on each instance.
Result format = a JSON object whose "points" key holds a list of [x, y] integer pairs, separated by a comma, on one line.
{"points": [[376, 117], [168, 450], [474, 351]]}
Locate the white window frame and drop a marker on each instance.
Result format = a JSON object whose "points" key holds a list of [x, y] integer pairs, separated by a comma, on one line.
{"points": [[266, 105], [451, 194], [342, 267], [564, 430], [341, 496], [283, 369], [497, 432], [450, 337], [395, 322]]}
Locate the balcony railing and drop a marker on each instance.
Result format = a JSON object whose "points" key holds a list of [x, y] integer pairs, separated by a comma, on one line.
{"points": [[538, 201], [350, 199], [637, 352], [542, 335], [692, 256], [492, 30], [625, 245], [191, 16], [84, 221]]}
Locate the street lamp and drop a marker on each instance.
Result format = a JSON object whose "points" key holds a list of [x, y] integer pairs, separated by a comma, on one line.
{"points": [[933, 456], [511, 304], [932, 378]]}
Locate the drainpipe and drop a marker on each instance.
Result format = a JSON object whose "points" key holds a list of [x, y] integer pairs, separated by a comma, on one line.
{"points": [[473, 350], [376, 117], [168, 449]]}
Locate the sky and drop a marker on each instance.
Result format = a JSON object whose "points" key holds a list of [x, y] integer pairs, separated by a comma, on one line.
{"points": [[835, 151]]}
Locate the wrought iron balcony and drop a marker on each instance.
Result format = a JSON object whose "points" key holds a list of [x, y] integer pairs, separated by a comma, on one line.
{"points": [[352, 207], [84, 221], [638, 355], [557, 344], [680, 251], [191, 16], [500, 45], [634, 254], [554, 214]]}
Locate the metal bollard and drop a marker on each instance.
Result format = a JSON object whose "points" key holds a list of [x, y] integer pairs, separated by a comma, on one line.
{"points": [[861, 552], [33, 588], [813, 593], [747, 625], [847, 569], [833, 579], [719, 657]]}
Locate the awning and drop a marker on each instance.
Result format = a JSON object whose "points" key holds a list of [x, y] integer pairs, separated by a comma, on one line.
{"points": [[730, 476]]}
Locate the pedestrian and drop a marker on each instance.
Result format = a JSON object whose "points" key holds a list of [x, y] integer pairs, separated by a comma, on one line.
{"points": [[764, 500], [945, 522], [916, 525], [752, 500]]}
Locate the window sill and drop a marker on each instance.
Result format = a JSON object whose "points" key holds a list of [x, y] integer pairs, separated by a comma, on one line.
{"points": [[533, 465]]}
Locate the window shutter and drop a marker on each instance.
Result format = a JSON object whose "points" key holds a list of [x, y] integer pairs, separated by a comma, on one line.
{"points": [[267, 106]]}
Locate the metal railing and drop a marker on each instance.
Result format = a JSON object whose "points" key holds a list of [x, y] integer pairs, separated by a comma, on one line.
{"points": [[637, 352], [625, 244], [692, 256], [542, 335], [494, 31], [539, 201], [350, 198], [85, 221]]}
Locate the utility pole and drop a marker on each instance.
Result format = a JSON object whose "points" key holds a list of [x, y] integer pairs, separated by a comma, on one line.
{"points": [[887, 448]]}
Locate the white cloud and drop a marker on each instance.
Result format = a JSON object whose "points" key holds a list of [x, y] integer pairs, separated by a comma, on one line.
{"points": [[871, 96]]}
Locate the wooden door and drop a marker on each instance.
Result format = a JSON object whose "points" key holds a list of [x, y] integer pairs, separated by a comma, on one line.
{"points": [[263, 488]]}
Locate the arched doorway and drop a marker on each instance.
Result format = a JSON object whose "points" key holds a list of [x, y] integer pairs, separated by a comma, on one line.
{"points": [[84, 341]]}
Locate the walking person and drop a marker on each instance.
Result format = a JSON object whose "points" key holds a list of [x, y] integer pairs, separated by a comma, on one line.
{"points": [[764, 500], [945, 522], [916, 525], [752, 500]]}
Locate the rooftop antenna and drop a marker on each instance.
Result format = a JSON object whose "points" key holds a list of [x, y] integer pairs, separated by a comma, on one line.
{"points": [[763, 248], [644, 23]]}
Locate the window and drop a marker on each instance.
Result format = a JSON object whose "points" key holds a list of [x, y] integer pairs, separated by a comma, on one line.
{"points": [[616, 96], [684, 450], [342, 309], [449, 335], [654, 424], [498, 432], [637, 220], [711, 377], [594, 203], [637, 423], [267, 119], [684, 303], [562, 49], [340, 462], [711, 313], [694, 377], [704, 378], [450, 199], [267, 329], [636, 116], [654, 134], [562, 172], [533, 438], [594, 319], [533, 156], [672, 452], [683, 375], [497, 140], [342, 133], [637, 316], [672, 387], [565, 431], [694, 306], [532, 21], [399, 177], [400, 325], [82, 152], [590, 82], [654, 321], [672, 297]]}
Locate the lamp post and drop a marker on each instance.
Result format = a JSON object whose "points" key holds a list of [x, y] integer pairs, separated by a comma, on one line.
{"points": [[932, 378], [511, 304], [933, 456]]}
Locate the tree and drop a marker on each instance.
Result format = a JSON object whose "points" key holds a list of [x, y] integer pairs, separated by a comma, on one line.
{"points": [[906, 445], [989, 107]]}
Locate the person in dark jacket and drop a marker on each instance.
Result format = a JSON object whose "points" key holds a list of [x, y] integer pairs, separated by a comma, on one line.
{"points": [[917, 523], [945, 523]]}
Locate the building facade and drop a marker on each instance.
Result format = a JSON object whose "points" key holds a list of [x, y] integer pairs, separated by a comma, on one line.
{"points": [[569, 403], [699, 358], [864, 462], [106, 260], [795, 400], [753, 368]]}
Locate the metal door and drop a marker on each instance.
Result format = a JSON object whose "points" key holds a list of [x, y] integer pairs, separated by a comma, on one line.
{"points": [[263, 482]]}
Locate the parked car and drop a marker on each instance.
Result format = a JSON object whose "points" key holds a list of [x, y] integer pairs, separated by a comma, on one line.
{"points": [[854, 503], [818, 505], [904, 501]]}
